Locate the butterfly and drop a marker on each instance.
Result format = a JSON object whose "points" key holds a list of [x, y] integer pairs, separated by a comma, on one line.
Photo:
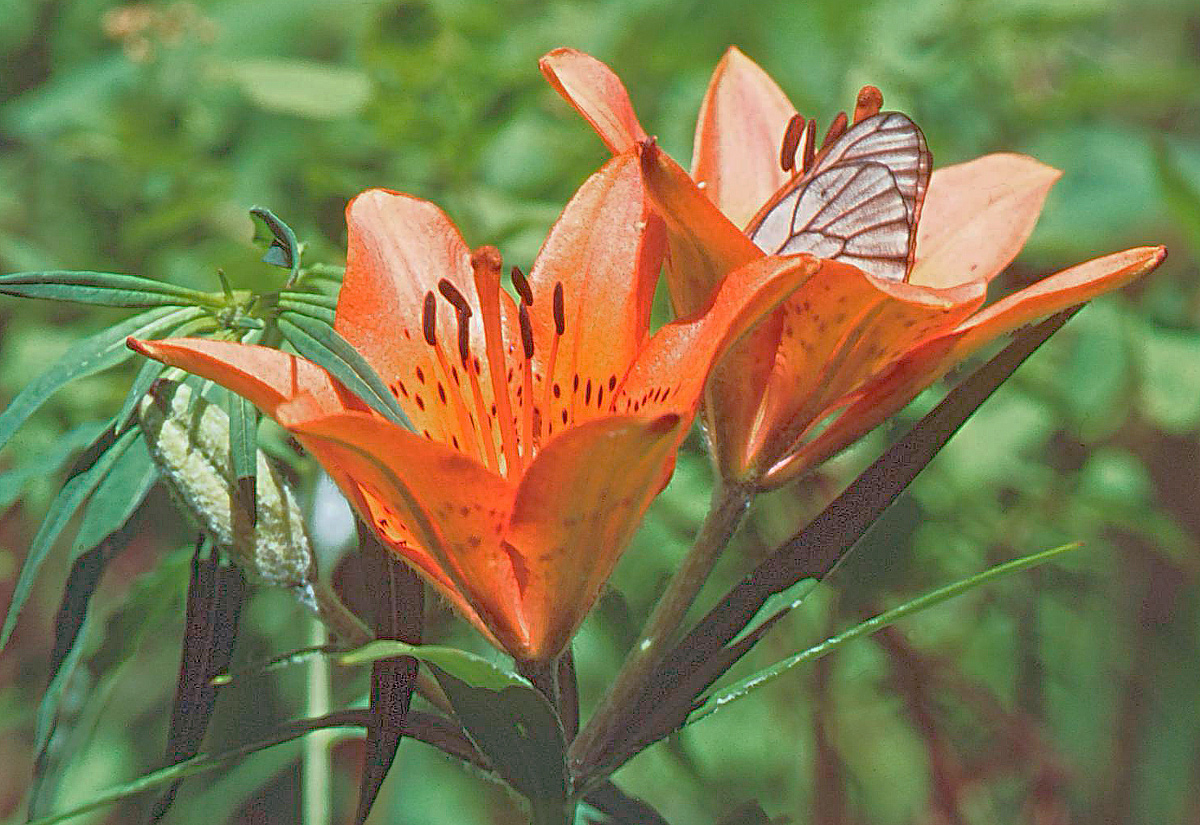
{"points": [[857, 201]]}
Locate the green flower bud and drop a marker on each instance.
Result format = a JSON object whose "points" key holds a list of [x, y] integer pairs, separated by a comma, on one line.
{"points": [[189, 440]]}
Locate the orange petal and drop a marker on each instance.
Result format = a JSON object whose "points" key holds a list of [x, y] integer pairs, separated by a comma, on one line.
{"points": [[596, 93], [1063, 289], [448, 503], [704, 245], [670, 374], [268, 377], [606, 251], [977, 216], [930, 360], [296, 392], [839, 329], [400, 247], [742, 121], [578, 506]]}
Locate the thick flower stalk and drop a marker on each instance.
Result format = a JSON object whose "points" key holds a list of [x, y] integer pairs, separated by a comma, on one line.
{"points": [[542, 428], [901, 300]]}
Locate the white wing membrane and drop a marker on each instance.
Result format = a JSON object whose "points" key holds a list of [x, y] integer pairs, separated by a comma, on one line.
{"points": [[859, 203]]}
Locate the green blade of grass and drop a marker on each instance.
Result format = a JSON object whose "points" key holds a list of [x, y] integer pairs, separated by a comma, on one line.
{"points": [[714, 702]]}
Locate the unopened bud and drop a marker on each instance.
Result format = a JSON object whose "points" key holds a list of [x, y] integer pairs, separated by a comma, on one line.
{"points": [[189, 440]]}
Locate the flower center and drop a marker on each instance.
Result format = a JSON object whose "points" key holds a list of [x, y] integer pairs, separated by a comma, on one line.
{"points": [[506, 433]]}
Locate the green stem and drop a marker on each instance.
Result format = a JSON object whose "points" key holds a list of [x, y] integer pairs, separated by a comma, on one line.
{"points": [[317, 787], [729, 504]]}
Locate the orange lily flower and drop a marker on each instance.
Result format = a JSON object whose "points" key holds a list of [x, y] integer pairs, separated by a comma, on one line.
{"points": [[873, 327], [541, 431]]}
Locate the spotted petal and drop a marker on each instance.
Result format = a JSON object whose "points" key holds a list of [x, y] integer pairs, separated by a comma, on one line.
{"points": [[927, 362]]}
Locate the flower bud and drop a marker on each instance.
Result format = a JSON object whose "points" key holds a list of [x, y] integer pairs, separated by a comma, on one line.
{"points": [[189, 440]]}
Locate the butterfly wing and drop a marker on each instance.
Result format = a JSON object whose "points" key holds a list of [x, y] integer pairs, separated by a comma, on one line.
{"points": [[860, 201]]}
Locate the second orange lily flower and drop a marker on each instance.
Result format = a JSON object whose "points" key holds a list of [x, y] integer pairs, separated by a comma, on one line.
{"points": [[901, 300], [542, 429]]}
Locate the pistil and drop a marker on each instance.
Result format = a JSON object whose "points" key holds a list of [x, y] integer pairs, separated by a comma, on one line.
{"points": [[486, 265]]}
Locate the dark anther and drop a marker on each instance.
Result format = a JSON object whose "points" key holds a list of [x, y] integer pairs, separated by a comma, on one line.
{"points": [[791, 141], [429, 319], [560, 321], [526, 331], [522, 286], [836, 129], [464, 336], [450, 293], [810, 136]]}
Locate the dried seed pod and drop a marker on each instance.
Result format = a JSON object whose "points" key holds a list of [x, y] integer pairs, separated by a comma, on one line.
{"points": [[189, 440]]}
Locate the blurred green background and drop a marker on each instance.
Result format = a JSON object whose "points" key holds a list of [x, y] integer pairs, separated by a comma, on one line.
{"points": [[133, 138]]}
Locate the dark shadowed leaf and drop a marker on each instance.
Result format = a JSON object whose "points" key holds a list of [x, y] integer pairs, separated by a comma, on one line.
{"points": [[103, 288], [396, 602], [214, 605], [101, 351], [750, 813], [709, 649], [321, 344], [511, 721], [90, 470], [620, 807]]}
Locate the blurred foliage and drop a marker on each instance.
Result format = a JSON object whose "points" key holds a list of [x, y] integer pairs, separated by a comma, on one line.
{"points": [[133, 138]]}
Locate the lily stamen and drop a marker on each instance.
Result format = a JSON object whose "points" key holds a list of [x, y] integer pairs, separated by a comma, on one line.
{"points": [[448, 389], [471, 367], [791, 142], [836, 130], [809, 153], [526, 390]]}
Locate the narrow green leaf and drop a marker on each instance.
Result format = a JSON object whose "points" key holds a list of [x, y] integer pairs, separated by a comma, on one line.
{"points": [[280, 661], [207, 762], [151, 599], [101, 351], [64, 506], [13, 482], [307, 297], [147, 374], [426, 727], [291, 302], [103, 288], [118, 495], [243, 451], [322, 345], [510, 720], [282, 248], [744, 687]]}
